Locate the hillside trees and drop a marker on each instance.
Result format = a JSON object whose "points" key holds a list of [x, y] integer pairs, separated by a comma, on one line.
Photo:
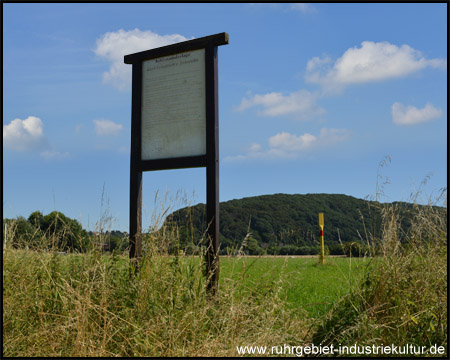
{"points": [[285, 224]]}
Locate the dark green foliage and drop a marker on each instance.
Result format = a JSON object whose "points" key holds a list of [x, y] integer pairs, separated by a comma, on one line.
{"points": [[58, 232], [252, 246], [35, 219], [354, 249], [52, 231], [110, 241], [67, 234], [288, 224]]}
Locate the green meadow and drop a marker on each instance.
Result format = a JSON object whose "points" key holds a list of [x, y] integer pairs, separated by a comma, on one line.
{"points": [[308, 285]]}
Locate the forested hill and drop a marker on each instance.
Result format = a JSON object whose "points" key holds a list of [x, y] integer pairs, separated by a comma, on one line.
{"points": [[284, 224]]}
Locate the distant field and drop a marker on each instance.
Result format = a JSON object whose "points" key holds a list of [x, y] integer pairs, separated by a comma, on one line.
{"points": [[308, 285]]}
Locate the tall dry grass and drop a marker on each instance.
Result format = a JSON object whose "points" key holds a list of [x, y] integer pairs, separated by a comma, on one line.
{"points": [[89, 304], [403, 299]]}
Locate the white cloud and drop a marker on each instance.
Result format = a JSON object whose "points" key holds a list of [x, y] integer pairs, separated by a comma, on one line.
{"points": [[107, 127], [290, 143], [316, 62], [255, 147], [410, 115], [301, 104], [290, 146], [25, 135], [113, 46], [373, 61]]}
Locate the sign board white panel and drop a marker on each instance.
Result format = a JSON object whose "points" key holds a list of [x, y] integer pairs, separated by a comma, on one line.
{"points": [[174, 106]]}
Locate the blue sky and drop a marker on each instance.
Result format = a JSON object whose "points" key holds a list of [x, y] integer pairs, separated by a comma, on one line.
{"points": [[312, 98]]}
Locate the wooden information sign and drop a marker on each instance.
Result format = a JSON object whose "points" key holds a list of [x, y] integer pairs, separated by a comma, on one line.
{"points": [[174, 125]]}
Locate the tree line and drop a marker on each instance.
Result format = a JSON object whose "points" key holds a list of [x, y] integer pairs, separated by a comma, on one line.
{"points": [[278, 224], [59, 232]]}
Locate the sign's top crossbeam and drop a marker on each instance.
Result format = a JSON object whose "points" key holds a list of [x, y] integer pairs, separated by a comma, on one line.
{"points": [[212, 40]]}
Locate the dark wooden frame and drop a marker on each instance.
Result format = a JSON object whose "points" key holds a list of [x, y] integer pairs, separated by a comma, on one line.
{"points": [[210, 160]]}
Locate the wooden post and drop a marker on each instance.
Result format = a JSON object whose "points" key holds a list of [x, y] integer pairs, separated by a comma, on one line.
{"points": [[135, 173], [212, 170]]}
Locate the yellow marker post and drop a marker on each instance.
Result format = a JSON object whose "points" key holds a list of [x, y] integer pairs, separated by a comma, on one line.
{"points": [[321, 224]]}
